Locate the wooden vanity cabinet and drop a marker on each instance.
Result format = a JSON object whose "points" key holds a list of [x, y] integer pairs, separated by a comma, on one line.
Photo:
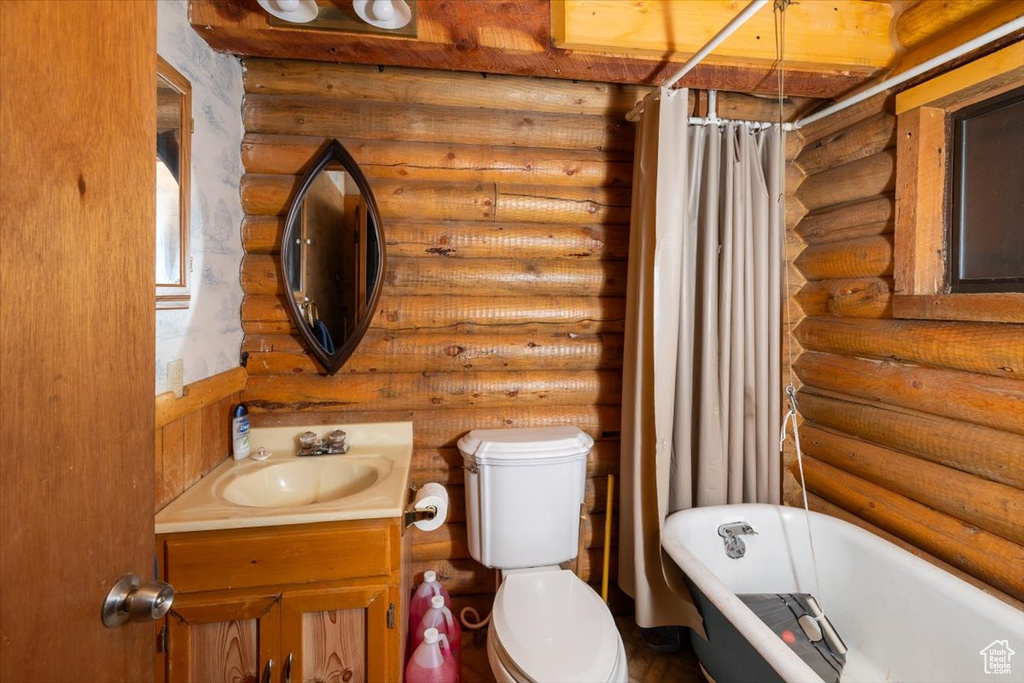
{"points": [[309, 602]]}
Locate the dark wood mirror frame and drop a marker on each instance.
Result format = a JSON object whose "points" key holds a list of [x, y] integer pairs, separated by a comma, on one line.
{"points": [[332, 153]]}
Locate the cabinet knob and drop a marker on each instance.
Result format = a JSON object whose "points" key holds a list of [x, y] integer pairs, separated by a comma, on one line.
{"points": [[268, 671]]}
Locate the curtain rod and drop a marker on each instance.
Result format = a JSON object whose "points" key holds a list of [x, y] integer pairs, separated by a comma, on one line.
{"points": [[949, 55], [726, 31]]}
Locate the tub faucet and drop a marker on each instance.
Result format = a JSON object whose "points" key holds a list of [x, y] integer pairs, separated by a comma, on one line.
{"points": [[730, 533], [311, 444]]}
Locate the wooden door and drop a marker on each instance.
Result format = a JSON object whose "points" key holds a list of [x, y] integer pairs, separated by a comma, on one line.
{"points": [[341, 633], [224, 637], [77, 132]]}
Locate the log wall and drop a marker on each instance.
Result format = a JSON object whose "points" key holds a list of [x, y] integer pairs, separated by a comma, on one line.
{"points": [[913, 427], [505, 207]]}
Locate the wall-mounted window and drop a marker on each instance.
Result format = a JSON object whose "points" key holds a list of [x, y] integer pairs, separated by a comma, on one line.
{"points": [[173, 187], [960, 193], [986, 196]]}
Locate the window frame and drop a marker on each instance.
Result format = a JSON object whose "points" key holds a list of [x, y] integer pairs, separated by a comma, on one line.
{"points": [[921, 269]]}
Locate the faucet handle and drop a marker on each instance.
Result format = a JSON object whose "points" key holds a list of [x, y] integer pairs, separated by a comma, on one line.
{"points": [[336, 439]]}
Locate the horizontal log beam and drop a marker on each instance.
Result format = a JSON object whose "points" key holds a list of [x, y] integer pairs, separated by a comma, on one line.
{"points": [[423, 391], [986, 556], [430, 200], [847, 297], [444, 465], [850, 182], [447, 88], [441, 161], [990, 401], [465, 575], [856, 258], [987, 348], [851, 116], [871, 136], [583, 315], [498, 277], [821, 505], [368, 120], [416, 237], [988, 505], [384, 352], [444, 427], [981, 451], [867, 218]]}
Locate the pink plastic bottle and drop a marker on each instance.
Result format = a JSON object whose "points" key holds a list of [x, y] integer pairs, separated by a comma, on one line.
{"points": [[421, 599], [440, 617], [432, 662]]}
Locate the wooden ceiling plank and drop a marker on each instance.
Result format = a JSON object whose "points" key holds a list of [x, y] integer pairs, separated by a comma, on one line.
{"points": [[460, 36], [858, 32]]}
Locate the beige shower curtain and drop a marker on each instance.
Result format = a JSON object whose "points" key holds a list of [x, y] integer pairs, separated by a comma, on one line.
{"points": [[700, 403]]}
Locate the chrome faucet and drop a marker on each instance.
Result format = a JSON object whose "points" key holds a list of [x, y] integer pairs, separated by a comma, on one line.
{"points": [[311, 444]]}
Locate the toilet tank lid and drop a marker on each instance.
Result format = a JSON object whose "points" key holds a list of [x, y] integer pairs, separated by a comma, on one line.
{"points": [[526, 445]]}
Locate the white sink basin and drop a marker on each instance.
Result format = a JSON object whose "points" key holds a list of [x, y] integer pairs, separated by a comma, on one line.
{"points": [[296, 483], [371, 481]]}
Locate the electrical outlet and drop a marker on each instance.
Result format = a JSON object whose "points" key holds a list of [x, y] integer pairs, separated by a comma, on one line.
{"points": [[176, 377]]}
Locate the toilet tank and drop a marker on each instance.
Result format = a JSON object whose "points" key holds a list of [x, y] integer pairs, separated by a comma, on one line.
{"points": [[524, 488]]}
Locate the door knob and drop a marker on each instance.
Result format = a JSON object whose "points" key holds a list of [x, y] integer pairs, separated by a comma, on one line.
{"points": [[131, 600]]}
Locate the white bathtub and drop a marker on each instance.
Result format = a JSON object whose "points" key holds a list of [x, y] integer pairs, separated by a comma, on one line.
{"points": [[902, 618]]}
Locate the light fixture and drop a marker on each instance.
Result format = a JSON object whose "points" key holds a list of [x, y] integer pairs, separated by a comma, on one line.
{"points": [[293, 11], [387, 14]]}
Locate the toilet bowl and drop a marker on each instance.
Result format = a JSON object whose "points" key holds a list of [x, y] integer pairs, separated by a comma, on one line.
{"points": [[547, 625], [524, 488]]}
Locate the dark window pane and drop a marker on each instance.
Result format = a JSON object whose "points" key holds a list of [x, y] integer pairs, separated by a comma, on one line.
{"points": [[987, 236]]}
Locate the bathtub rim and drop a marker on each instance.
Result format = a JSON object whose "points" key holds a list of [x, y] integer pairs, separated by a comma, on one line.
{"points": [[766, 642], [776, 653]]}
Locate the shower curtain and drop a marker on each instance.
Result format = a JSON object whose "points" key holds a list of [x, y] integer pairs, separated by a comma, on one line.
{"points": [[701, 374]]}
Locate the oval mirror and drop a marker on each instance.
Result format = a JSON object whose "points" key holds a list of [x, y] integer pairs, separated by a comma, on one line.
{"points": [[332, 256]]}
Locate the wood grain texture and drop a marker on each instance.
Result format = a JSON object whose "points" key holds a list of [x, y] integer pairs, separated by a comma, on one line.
{"points": [[471, 37], [988, 505], [193, 433], [76, 420], [852, 181], [914, 410], [978, 450], [990, 349], [980, 553]]}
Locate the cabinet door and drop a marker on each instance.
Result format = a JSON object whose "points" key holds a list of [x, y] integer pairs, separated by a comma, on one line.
{"points": [[341, 634], [224, 637]]}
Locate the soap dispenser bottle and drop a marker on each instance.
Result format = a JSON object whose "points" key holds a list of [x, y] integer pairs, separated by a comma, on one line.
{"points": [[240, 432]]}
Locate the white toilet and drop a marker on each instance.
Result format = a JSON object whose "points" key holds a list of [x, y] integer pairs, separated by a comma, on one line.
{"points": [[524, 488]]}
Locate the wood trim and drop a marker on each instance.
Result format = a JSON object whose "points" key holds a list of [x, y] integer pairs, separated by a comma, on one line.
{"points": [[179, 296], [985, 307], [199, 395], [956, 88], [920, 202]]}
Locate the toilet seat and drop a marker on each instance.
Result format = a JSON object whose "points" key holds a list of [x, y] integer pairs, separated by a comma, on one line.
{"points": [[549, 625]]}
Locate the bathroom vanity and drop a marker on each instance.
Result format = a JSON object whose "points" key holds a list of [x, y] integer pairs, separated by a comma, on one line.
{"points": [[289, 569]]}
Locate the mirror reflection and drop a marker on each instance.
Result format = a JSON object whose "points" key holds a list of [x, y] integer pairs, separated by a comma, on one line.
{"points": [[173, 141], [332, 256]]}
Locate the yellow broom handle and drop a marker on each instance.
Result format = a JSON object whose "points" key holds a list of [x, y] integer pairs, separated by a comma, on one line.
{"points": [[607, 537]]}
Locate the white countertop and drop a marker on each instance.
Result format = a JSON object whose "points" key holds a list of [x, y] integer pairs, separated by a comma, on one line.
{"points": [[385, 447]]}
